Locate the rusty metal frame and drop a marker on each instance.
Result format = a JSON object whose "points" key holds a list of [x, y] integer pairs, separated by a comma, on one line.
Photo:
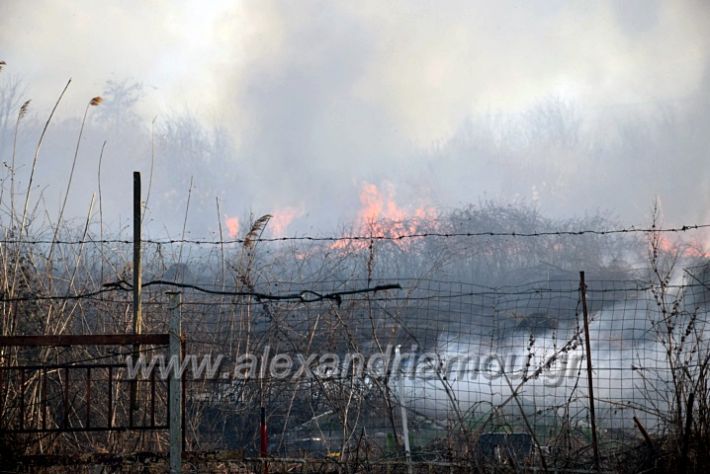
{"points": [[87, 340], [111, 368]]}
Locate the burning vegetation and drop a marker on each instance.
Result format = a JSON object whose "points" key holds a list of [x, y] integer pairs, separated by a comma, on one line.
{"points": [[492, 282]]}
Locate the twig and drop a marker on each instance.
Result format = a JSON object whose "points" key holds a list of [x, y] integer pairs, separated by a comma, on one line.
{"points": [[184, 227], [101, 212], [92, 103]]}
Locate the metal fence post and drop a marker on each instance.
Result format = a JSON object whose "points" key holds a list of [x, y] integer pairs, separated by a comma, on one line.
{"points": [[590, 375], [175, 385]]}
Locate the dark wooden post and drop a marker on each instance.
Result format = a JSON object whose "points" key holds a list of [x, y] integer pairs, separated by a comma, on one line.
{"points": [[590, 378], [137, 277], [137, 281]]}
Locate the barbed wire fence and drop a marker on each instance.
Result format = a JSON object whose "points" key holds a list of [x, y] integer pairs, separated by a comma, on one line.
{"points": [[472, 362], [367, 237], [466, 374]]}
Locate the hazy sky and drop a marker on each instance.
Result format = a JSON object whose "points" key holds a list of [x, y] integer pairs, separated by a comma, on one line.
{"points": [[444, 102]]}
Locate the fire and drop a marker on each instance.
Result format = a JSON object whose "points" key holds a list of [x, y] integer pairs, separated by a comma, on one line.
{"points": [[381, 216], [693, 248], [665, 245], [232, 224], [282, 218], [278, 224]]}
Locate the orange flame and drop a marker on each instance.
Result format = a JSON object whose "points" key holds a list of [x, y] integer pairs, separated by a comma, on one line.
{"points": [[232, 224], [381, 216], [282, 218], [693, 248]]}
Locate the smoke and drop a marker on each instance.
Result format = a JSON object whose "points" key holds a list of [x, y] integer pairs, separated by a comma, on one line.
{"points": [[293, 108], [631, 370]]}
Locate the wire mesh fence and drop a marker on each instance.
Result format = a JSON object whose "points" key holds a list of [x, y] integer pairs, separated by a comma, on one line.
{"points": [[462, 371], [417, 371]]}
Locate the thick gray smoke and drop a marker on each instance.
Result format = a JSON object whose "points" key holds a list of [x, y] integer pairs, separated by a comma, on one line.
{"points": [[292, 108]]}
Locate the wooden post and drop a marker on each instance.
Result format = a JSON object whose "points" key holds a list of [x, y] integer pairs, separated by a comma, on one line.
{"points": [[588, 351], [137, 283], [175, 385], [137, 277]]}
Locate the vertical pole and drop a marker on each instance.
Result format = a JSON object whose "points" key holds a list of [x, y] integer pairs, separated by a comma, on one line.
{"points": [[110, 397], [88, 397], [184, 397], [588, 350], [152, 398], [264, 438], [686, 434], [405, 434], [65, 399], [137, 283], [45, 405], [22, 398], [137, 278], [175, 386], [403, 411]]}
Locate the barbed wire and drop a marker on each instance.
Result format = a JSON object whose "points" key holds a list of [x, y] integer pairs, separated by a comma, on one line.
{"points": [[373, 237], [313, 296], [304, 296]]}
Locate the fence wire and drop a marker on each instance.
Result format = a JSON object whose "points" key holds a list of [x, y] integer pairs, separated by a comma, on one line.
{"points": [[459, 370], [458, 361]]}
